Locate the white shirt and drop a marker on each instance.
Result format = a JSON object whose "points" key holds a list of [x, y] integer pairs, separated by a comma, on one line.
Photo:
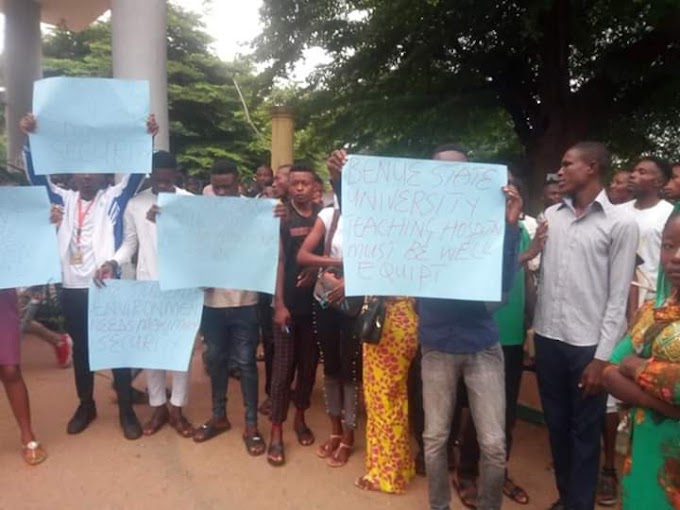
{"points": [[326, 215], [650, 222], [98, 237], [141, 234], [585, 275], [229, 298]]}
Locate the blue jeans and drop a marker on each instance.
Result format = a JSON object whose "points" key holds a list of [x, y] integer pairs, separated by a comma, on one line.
{"points": [[231, 336], [483, 375]]}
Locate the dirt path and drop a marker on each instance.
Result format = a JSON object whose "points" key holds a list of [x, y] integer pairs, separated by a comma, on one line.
{"points": [[100, 470]]}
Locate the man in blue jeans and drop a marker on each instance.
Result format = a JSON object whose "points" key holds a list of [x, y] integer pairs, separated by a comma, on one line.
{"points": [[230, 328], [459, 339]]}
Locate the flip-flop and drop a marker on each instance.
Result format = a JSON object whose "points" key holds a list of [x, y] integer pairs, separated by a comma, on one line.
{"points": [[33, 453], [209, 430], [305, 436], [515, 492], [275, 455], [365, 484], [467, 492], [255, 445]]}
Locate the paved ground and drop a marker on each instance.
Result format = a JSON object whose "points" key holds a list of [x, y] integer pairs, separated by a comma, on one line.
{"points": [[100, 469]]}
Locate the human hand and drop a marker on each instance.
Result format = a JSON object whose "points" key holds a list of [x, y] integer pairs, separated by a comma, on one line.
{"points": [[337, 295], [152, 213], [335, 162], [281, 317], [281, 211], [591, 378], [56, 215], [151, 125], [538, 242], [513, 204], [106, 272], [306, 278]]}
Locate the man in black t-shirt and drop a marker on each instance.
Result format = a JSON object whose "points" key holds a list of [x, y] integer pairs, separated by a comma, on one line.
{"points": [[295, 345]]}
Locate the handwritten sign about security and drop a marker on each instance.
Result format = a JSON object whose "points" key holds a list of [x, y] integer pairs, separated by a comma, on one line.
{"points": [[222, 242], [28, 242], [423, 228], [91, 125], [134, 324]]}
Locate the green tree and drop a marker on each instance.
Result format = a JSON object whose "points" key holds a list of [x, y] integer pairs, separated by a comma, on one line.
{"points": [[522, 78], [207, 113]]}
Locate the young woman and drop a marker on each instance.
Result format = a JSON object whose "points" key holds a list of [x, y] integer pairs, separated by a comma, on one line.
{"points": [[646, 375], [12, 380]]}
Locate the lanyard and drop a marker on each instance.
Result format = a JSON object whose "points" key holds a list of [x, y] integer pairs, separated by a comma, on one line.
{"points": [[82, 215]]}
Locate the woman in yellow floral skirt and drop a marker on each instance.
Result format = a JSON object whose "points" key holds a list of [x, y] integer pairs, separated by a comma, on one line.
{"points": [[389, 463]]}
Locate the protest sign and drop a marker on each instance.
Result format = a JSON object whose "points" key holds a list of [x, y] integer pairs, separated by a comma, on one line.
{"points": [[28, 241], [91, 125], [134, 324], [423, 228], [221, 242]]}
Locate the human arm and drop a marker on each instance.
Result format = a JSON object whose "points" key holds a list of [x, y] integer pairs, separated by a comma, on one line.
{"points": [[306, 256], [334, 163], [661, 379], [281, 314], [536, 246], [626, 390], [28, 125]]}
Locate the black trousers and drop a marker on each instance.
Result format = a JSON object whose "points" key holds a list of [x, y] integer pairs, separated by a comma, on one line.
{"points": [[74, 306], [265, 317], [574, 422], [468, 466]]}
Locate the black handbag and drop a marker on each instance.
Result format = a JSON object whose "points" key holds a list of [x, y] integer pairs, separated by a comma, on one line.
{"points": [[371, 320]]}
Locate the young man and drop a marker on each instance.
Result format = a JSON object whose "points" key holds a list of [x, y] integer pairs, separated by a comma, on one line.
{"points": [[459, 339], [140, 234], [671, 191], [587, 264], [88, 236], [264, 177], [230, 329], [281, 182], [295, 348], [645, 182], [619, 191], [511, 321]]}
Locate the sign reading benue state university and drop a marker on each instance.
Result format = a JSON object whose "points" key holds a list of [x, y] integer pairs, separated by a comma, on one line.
{"points": [[423, 228], [221, 242], [28, 241], [91, 125], [134, 324]]}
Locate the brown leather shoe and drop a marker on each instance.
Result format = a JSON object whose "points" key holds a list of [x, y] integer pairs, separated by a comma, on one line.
{"points": [[160, 417]]}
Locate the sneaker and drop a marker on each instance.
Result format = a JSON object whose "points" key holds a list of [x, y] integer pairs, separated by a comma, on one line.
{"points": [[64, 351], [608, 487]]}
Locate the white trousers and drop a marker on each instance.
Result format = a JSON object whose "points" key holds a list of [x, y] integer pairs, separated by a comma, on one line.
{"points": [[155, 383]]}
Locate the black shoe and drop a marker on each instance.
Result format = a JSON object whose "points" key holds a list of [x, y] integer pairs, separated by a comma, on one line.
{"points": [[84, 415], [132, 429]]}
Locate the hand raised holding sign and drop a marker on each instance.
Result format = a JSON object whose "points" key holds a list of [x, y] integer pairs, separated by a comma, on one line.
{"points": [[513, 204], [335, 162]]}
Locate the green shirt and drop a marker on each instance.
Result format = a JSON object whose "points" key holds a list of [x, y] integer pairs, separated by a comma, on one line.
{"points": [[510, 318]]}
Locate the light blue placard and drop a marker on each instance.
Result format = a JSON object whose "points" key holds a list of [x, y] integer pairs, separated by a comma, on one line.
{"points": [[221, 242], [423, 228], [28, 242], [134, 324], [91, 125]]}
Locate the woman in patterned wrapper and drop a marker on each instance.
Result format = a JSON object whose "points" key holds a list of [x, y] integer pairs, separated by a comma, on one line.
{"points": [[646, 375]]}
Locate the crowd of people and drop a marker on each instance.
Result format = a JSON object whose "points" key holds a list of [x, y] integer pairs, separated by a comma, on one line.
{"points": [[595, 263]]}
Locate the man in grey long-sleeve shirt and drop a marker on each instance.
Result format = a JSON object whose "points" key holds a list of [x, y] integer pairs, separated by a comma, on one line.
{"points": [[586, 270]]}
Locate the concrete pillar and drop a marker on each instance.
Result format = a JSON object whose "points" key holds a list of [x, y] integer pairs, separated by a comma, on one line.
{"points": [[282, 136], [139, 52], [23, 55]]}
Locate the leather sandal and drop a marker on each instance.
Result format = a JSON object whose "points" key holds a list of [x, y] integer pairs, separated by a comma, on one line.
{"points": [[183, 427], [158, 419], [33, 453], [210, 429], [275, 455], [333, 460], [255, 444], [326, 450], [305, 436]]}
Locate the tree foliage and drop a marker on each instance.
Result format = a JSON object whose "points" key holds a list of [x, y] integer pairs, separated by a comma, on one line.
{"points": [[511, 78], [207, 114]]}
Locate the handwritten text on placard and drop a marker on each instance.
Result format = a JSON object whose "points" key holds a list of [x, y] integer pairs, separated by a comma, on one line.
{"points": [[91, 125], [223, 242], [423, 228], [134, 324], [28, 242]]}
